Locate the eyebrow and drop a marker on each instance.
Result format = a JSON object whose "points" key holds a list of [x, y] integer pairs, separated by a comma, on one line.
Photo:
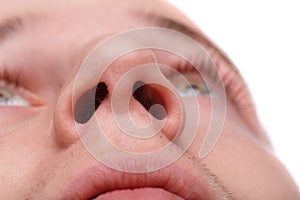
{"points": [[194, 34], [10, 26], [15, 24], [170, 23]]}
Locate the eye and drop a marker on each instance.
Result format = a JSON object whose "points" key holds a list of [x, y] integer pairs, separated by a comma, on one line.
{"points": [[9, 98], [198, 88], [193, 85]]}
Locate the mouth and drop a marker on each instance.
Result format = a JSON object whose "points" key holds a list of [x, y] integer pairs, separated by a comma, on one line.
{"points": [[139, 193], [102, 183]]}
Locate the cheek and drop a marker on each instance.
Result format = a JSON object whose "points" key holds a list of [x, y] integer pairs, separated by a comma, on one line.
{"points": [[216, 123], [247, 168], [210, 124], [21, 150], [241, 161], [13, 117]]}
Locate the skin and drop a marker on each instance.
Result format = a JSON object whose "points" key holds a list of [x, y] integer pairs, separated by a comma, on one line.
{"points": [[39, 147]]}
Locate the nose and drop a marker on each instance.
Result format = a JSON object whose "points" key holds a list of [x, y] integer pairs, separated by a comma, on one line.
{"points": [[131, 89]]}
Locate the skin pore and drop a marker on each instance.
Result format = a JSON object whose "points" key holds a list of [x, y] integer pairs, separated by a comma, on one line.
{"points": [[42, 44]]}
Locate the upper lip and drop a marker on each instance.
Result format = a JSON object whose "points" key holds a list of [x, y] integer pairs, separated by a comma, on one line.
{"points": [[99, 179]]}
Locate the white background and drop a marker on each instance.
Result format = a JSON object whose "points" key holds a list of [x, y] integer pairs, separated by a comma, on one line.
{"points": [[262, 37]]}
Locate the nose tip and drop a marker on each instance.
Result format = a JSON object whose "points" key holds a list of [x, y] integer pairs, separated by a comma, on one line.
{"points": [[150, 88]]}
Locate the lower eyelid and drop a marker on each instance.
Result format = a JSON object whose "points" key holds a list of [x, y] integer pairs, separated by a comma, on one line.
{"points": [[30, 97]]}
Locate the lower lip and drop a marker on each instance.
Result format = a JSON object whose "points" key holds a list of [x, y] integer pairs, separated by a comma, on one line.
{"points": [[140, 193]]}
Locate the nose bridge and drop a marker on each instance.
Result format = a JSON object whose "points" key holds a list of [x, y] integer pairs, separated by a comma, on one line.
{"points": [[125, 63], [64, 119]]}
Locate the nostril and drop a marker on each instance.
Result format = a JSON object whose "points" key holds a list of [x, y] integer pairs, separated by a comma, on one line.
{"points": [[150, 99], [89, 101], [101, 93]]}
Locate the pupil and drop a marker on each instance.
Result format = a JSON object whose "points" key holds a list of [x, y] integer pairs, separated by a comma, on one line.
{"points": [[192, 87]]}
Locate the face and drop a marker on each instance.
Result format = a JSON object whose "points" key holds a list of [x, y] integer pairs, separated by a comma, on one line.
{"points": [[42, 46]]}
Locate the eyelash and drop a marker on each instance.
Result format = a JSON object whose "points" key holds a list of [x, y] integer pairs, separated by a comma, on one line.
{"points": [[234, 85], [11, 81]]}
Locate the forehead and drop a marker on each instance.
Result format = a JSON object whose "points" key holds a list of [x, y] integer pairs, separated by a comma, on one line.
{"points": [[83, 21], [90, 8], [102, 17]]}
